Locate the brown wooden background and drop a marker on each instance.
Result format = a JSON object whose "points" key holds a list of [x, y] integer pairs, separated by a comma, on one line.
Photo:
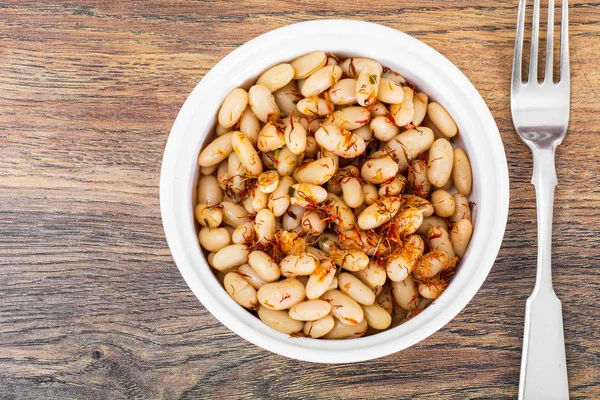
{"points": [[92, 305]]}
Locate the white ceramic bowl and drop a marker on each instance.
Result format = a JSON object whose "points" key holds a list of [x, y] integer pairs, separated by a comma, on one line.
{"points": [[420, 64]]}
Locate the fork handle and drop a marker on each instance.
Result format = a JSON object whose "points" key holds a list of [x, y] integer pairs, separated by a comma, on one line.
{"points": [[543, 365]]}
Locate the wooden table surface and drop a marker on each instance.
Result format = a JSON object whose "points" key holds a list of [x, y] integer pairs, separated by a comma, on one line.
{"points": [[92, 305]]}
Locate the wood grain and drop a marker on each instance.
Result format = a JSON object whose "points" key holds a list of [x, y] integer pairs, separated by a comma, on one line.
{"points": [[92, 305]]}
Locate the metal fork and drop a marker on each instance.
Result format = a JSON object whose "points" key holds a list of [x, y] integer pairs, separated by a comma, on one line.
{"points": [[540, 113]]}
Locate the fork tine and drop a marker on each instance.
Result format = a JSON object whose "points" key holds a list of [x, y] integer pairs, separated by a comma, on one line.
{"points": [[564, 44], [517, 77], [548, 75], [535, 33]]}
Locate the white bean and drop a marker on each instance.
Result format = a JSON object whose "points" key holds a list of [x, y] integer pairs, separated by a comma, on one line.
{"points": [[379, 109], [404, 112], [415, 141], [279, 320], [317, 253], [340, 211], [364, 132], [460, 236], [405, 293], [352, 191], [390, 92], [424, 206], [334, 284], [356, 289], [235, 183], [221, 130], [282, 294], [439, 164], [276, 77], [340, 141], [393, 187], [350, 260], [230, 256], [353, 66], [376, 215], [433, 288], [232, 108], [461, 172], [214, 239], [251, 276], [321, 80], [343, 307], [418, 182], [240, 290], [441, 119], [316, 172], [383, 128], [270, 138], [326, 241], [397, 151], [262, 102], [312, 106], [379, 170], [217, 150], [308, 64], [443, 203], [287, 97], [341, 330], [210, 216], [320, 279], [310, 310], [350, 118], [377, 317], [233, 214], [258, 199], [293, 217], [367, 85], [312, 223], [209, 170], [264, 225], [295, 137], [249, 125], [268, 181], [305, 194], [439, 239], [343, 92], [404, 260], [264, 266], [431, 264], [244, 233], [407, 221], [385, 300], [246, 152], [374, 276], [286, 161], [248, 201], [319, 328], [420, 104], [430, 222], [209, 191], [279, 200], [462, 210], [370, 192], [300, 264], [394, 77]]}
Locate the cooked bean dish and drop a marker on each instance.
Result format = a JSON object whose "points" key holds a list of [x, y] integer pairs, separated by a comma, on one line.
{"points": [[332, 202]]}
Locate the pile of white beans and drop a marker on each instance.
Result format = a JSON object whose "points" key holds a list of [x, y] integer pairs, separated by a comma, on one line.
{"points": [[332, 201]]}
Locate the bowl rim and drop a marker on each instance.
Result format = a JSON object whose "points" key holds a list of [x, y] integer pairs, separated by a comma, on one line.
{"points": [[232, 315]]}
